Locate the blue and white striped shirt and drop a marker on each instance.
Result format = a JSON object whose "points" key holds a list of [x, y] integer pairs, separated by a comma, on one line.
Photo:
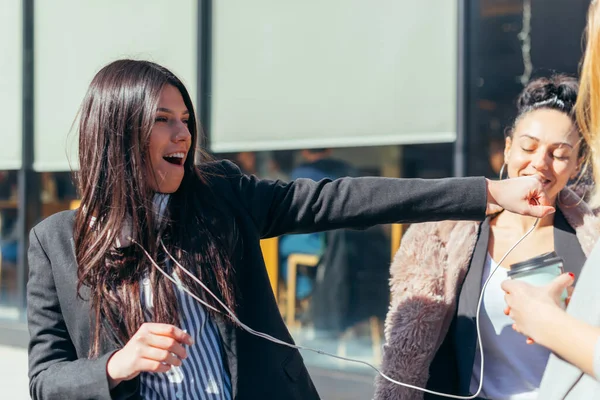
{"points": [[202, 375]]}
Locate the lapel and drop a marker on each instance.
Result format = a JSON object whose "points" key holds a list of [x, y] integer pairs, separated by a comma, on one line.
{"points": [[567, 246], [82, 312], [466, 330], [228, 339]]}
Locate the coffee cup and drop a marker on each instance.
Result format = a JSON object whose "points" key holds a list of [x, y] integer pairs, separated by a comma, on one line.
{"points": [[539, 271]]}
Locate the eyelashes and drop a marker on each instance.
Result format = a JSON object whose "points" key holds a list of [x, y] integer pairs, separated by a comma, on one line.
{"points": [[166, 119]]}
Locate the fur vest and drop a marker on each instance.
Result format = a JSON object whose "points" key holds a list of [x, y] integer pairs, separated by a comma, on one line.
{"points": [[426, 275]]}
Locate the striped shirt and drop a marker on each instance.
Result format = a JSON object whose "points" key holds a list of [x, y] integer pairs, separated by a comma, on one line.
{"points": [[202, 375]]}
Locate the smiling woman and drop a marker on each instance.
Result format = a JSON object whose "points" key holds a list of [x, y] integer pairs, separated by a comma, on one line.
{"points": [[439, 270], [544, 140], [170, 141]]}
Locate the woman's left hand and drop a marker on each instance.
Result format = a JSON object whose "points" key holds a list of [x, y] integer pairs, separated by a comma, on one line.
{"points": [[531, 307]]}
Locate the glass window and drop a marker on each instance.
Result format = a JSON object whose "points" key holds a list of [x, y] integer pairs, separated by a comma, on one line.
{"points": [[56, 194], [332, 287], [9, 245]]}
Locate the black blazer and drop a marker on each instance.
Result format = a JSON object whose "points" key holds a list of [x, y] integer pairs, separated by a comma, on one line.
{"points": [[452, 367], [59, 321]]}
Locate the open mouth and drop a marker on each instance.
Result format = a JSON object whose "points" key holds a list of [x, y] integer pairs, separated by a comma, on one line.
{"points": [[175, 158]]}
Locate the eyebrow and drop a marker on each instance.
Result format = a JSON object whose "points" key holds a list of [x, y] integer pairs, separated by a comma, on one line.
{"points": [[168, 110], [537, 140]]}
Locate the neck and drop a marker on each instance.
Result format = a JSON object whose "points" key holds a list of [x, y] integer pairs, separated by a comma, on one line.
{"points": [[522, 223]]}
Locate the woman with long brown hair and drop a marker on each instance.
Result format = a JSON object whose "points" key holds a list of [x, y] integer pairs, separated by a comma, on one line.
{"points": [[111, 308], [573, 335]]}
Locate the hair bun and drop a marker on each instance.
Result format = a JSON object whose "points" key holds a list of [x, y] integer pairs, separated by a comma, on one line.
{"points": [[557, 92]]}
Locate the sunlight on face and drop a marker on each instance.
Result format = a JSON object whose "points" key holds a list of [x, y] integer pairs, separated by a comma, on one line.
{"points": [[544, 143], [170, 142]]}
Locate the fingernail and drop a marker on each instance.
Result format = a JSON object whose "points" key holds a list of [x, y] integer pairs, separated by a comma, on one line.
{"points": [[572, 275]]}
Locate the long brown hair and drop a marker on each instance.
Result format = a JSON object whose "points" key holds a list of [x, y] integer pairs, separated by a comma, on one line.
{"points": [[588, 101], [116, 118]]}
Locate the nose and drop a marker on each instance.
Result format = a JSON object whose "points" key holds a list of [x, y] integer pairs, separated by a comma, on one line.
{"points": [[541, 160], [181, 133]]}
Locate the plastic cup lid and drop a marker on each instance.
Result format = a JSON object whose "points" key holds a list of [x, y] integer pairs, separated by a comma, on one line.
{"points": [[543, 260]]}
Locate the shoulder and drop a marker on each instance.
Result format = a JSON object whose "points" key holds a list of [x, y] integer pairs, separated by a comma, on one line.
{"points": [[442, 232], [53, 234], [222, 174], [433, 243], [61, 221], [580, 216], [219, 169]]}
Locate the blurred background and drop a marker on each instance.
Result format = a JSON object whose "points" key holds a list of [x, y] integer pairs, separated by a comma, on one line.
{"points": [[285, 89]]}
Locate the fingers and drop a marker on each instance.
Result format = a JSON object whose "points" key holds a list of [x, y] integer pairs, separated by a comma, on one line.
{"points": [[540, 198], [538, 211], [560, 283], [511, 285], [524, 195], [157, 347], [168, 331], [570, 290], [160, 355], [168, 344], [153, 366], [516, 329]]}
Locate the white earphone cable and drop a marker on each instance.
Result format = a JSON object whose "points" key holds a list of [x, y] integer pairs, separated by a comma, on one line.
{"points": [[281, 342]]}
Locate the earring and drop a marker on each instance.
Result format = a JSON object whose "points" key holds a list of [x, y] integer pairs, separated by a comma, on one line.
{"points": [[502, 171]]}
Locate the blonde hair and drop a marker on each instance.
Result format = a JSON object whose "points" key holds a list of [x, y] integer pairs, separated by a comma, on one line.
{"points": [[587, 108]]}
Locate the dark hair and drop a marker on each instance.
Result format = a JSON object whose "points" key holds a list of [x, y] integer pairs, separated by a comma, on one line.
{"points": [[559, 92], [116, 119]]}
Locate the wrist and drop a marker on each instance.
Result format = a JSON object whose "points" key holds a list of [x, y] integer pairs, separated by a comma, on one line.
{"points": [[492, 206], [112, 373], [553, 320]]}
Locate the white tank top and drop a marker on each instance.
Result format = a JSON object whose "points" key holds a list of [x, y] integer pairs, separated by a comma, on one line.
{"points": [[513, 368]]}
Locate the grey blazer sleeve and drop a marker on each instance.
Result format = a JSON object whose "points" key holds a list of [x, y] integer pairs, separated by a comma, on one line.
{"points": [[562, 380], [307, 206], [55, 372]]}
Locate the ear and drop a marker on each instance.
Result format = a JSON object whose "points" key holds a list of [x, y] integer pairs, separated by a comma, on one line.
{"points": [[507, 147], [577, 168]]}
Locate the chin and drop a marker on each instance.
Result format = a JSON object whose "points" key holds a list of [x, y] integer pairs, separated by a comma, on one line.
{"points": [[169, 188]]}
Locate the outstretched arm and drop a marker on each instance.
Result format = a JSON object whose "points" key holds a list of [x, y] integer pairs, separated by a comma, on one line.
{"points": [[307, 206]]}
